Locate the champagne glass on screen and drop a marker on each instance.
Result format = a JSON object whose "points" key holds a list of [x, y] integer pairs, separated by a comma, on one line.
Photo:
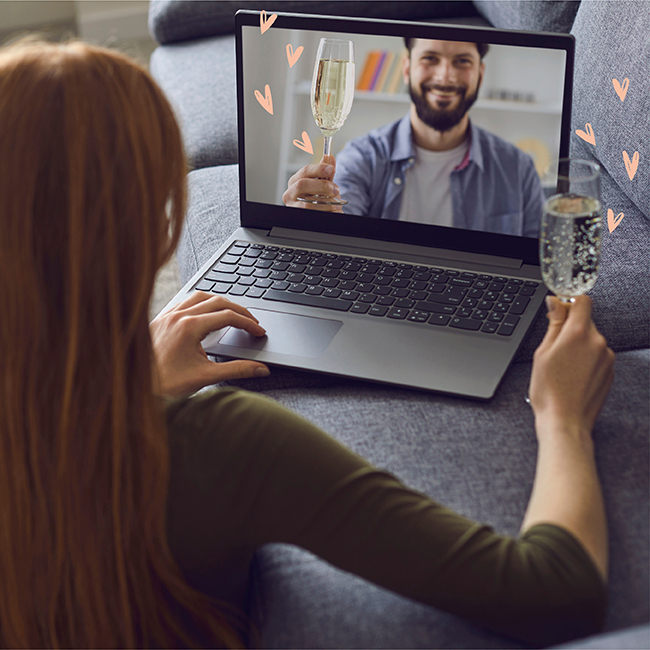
{"points": [[332, 92], [571, 232]]}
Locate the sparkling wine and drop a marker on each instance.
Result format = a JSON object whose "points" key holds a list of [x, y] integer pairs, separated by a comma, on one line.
{"points": [[332, 94], [570, 243]]}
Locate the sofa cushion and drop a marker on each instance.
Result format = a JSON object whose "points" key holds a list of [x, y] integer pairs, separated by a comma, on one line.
{"points": [[179, 20], [478, 459], [532, 15], [612, 44], [621, 296], [198, 78]]}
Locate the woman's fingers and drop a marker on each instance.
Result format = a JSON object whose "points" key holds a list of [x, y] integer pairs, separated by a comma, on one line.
{"points": [[203, 303], [557, 315], [204, 323], [579, 315], [193, 299], [238, 369], [572, 368], [202, 313], [212, 303]]}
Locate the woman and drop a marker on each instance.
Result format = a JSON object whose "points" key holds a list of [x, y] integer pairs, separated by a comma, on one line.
{"points": [[113, 500]]}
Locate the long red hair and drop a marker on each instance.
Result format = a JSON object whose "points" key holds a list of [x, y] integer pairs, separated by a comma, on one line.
{"points": [[92, 197]]}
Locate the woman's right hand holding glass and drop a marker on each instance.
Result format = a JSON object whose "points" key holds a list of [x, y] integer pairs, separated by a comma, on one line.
{"points": [[573, 370], [573, 367]]}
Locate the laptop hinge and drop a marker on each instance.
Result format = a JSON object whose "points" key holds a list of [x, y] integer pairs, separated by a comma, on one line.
{"points": [[362, 245]]}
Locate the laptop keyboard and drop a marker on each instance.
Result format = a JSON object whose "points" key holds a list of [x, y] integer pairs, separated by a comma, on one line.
{"points": [[430, 295]]}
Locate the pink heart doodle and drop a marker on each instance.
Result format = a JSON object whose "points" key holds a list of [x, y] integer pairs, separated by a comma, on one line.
{"points": [[305, 143], [613, 222], [588, 136], [267, 100], [631, 165], [266, 24], [621, 91], [292, 56]]}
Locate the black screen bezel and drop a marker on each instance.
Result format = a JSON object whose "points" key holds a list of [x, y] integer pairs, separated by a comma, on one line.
{"points": [[267, 216]]}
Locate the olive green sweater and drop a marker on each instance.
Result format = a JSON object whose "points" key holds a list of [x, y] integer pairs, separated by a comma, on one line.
{"points": [[246, 471]]}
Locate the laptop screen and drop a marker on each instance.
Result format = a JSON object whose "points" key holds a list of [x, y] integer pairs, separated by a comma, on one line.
{"points": [[441, 135]]}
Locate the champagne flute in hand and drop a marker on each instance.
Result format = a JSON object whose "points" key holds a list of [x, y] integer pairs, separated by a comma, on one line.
{"points": [[332, 92], [571, 233]]}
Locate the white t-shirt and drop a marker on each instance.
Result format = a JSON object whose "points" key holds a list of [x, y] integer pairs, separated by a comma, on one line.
{"points": [[427, 195]]}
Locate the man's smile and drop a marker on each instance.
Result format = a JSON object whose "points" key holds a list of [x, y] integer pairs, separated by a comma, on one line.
{"points": [[443, 95]]}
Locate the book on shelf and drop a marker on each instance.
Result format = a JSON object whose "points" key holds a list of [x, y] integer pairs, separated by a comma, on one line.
{"points": [[395, 83], [381, 73], [384, 72], [369, 68], [377, 70]]}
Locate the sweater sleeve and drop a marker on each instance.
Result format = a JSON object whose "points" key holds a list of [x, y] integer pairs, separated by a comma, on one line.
{"points": [[246, 471]]}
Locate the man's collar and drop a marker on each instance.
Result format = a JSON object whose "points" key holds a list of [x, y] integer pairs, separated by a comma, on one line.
{"points": [[474, 153], [404, 147]]}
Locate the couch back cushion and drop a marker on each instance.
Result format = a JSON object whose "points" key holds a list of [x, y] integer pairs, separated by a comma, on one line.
{"points": [[531, 15], [179, 20], [612, 44]]}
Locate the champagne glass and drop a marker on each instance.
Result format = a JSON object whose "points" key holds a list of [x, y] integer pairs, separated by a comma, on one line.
{"points": [[332, 92], [571, 232]]}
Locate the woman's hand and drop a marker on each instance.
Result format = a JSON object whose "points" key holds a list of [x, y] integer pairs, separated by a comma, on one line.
{"points": [[314, 179], [573, 368], [183, 366]]}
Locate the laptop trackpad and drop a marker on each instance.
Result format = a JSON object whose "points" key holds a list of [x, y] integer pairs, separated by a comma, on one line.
{"points": [[300, 336]]}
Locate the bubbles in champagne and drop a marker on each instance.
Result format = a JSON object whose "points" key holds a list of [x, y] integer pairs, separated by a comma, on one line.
{"points": [[570, 243]]}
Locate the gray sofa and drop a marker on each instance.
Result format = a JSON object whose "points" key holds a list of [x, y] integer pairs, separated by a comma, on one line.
{"points": [[476, 458]]}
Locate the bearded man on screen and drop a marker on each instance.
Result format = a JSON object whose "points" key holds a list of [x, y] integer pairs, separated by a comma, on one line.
{"points": [[434, 166]]}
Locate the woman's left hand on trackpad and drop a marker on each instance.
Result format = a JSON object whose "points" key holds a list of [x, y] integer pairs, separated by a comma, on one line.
{"points": [[183, 366]]}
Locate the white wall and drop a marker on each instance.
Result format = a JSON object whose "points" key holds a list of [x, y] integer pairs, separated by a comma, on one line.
{"points": [[23, 14], [96, 20], [99, 20]]}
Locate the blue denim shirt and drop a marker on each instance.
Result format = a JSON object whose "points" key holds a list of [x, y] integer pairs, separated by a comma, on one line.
{"points": [[495, 188]]}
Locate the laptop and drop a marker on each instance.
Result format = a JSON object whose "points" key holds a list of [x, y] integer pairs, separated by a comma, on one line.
{"points": [[425, 305]]}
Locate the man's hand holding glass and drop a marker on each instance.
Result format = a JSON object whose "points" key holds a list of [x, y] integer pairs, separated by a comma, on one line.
{"points": [[317, 179]]}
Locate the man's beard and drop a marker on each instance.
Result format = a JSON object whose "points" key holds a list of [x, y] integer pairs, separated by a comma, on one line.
{"points": [[442, 119]]}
